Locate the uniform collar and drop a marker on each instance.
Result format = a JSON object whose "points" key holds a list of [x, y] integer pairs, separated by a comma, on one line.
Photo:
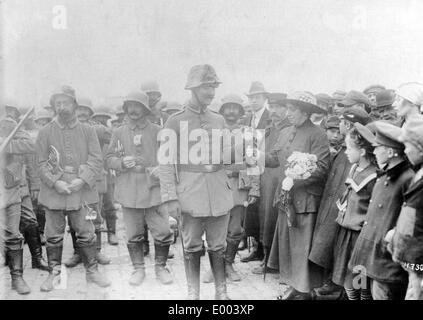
{"points": [[395, 171], [140, 124], [196, 109], [72, 124]]}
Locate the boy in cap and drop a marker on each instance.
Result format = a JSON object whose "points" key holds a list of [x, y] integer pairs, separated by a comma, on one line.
{"points": [[370, 256], [334, 135], [406, 240]]}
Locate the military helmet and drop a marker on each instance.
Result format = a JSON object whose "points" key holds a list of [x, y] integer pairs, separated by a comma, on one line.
{"points": [[172, 105], [150, 86], [42, 114], [136, 96], [12, 105], [102, 111], [201, 74], [87, 103], [119, 109], [234, 99], [63, 90]]}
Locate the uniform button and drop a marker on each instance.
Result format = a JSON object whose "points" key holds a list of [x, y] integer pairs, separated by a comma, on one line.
{"points": [[380, 205]]}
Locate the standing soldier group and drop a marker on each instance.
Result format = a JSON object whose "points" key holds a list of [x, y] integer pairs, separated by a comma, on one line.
{"points": [[357, 214]]}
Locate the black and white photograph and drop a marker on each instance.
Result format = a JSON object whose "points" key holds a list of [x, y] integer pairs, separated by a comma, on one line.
{"points": [[179, 150]]}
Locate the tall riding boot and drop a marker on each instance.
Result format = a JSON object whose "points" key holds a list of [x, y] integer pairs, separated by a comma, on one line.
{"points": [[32, 236], [54, 256], [101, 258], [146, 243], [15, 260], [88, 254], [162, 272], [231, 250], [192, 272], [137, 257], [111, 232], [218, 267], [76, 258]]}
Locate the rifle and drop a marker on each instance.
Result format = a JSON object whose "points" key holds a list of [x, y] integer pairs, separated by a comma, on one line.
{"points": [[12, 134]]}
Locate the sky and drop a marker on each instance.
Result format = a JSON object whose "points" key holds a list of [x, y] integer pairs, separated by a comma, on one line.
{"points": [[107, 48]]}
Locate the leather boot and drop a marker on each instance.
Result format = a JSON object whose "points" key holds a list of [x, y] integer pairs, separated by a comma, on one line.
{"points": [[54, 256], [88, 254], [15, 260], [231, 250], [111, 232], [328, 288], [137, 257], [101, 258], [162, 272], [256, 253], [76, 258], [217, 263], [192, 272], [260, 269], [32, 236]]}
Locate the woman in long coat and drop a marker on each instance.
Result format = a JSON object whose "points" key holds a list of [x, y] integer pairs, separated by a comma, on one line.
{"points": [[291, 244]]}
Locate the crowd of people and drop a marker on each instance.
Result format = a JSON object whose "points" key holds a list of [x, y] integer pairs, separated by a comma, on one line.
{"points": [[352, 228]]}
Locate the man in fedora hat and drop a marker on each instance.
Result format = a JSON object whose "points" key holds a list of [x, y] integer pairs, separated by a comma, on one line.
{"points": [[132, 153], [257, 97], [383, 109], [198, 194], [292, 244]]}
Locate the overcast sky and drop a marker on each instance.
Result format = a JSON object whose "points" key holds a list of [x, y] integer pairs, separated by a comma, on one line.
{"points": [[109, 47]]}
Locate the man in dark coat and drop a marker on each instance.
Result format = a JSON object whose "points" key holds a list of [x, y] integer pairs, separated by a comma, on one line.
{"points": [[269, 180]]}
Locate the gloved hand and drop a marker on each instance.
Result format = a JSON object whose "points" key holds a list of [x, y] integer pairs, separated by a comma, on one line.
{"points": [[172, 208], [76, 185], [62, 187]]}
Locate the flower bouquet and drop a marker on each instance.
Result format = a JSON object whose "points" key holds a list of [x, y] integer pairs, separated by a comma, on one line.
{"points": [[299, 166]]}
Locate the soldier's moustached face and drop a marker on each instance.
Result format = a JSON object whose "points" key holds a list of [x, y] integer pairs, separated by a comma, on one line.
{"points": [[135, 110], [204, 94], [65, 106]]}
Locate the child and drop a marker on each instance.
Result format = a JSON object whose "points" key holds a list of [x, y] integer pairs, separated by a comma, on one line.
{"points": [[334, 135], [407, 240], [370, 257], [353, 206]]}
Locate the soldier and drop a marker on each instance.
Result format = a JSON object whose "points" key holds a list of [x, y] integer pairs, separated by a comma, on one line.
{"points": [[132, 154], [12, 175], [371, 92], [245, 188], [84, 111], [120, 114], [43, 117], [156, 116], [69, 160], [107, 208], [172, 107], [202, 198]]}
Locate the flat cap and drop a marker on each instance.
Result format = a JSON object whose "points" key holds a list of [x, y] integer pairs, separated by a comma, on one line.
{"points": [[374, 88], [332, 122], [356, 114], [354, 97], [365, 132], [387, 135]]}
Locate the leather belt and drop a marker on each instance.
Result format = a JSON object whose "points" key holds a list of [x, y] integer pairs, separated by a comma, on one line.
{"points": [[200, 167]]}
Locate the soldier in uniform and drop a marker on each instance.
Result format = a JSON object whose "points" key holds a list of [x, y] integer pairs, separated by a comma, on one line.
{"points": [[245, 188], [203, 197], [12, 212], [42, 118], [132, 154], [172, 107], [69, 160], [156, 116], [84, 111], [371, 92]]}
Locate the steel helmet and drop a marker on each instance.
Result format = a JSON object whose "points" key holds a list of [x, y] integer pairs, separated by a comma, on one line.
{"points": [[102, 111], [411, 91], [136, 96], [234, 99], [10, 104], [87, 103], [201, 74], [150, 86], [43, 114], [63, 90], [119, 110], [172, 105]]}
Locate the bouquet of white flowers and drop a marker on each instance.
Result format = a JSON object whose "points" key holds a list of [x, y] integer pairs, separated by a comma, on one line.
{"points": [[299, 166]]}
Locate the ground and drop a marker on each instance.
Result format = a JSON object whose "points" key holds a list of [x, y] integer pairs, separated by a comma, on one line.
{"points": [[74, 286]]}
